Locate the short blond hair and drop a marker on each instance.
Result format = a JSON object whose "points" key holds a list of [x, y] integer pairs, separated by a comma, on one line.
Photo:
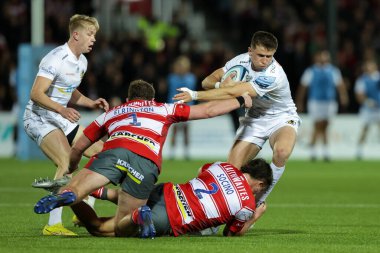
{"points": [[82, 21]]}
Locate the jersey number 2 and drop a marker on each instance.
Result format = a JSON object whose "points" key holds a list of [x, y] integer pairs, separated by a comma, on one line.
{"points": [[199, 192]]}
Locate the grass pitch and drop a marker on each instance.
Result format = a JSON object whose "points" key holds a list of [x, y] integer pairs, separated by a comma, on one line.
{"points": [[316, 207]]}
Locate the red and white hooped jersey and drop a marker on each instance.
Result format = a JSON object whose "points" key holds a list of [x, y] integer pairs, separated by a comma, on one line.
{"points": [[219, 195], [140, 126]]}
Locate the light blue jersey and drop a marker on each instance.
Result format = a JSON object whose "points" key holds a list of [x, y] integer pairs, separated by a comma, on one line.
{"points": [[369, 85], [321, 82], [176, 81]]}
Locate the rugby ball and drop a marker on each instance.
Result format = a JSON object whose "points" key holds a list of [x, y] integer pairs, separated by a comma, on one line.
{"points": [[239, 72]]}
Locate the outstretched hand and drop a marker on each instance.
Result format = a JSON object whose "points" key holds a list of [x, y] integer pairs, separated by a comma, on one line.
{"points": [[102, 104], [70, 113], [186, 95]]}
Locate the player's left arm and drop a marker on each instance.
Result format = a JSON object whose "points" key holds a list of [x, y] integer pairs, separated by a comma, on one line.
{"points": [[79, 99], [260, 210]]}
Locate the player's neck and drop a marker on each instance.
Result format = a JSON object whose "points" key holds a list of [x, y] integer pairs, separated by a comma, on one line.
{"points": [[74, 48]]}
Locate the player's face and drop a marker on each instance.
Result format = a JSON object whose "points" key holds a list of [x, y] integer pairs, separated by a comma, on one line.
{"points": [[86, 37], [261, 57], [257, 186]]}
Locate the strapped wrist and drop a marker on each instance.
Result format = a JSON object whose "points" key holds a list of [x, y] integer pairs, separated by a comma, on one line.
{"points": [[241, 100], [217, 85]]}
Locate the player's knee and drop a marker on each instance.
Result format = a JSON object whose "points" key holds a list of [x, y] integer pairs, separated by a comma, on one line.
{"points": [[281, 154]]}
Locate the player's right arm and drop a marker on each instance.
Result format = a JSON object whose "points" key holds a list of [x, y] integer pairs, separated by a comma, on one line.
{"points": [[91, 134], [216, 94], [210, 81], [38, 96], [77, 151], [216, 108]]}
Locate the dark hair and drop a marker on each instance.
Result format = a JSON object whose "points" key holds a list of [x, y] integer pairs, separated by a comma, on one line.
{"points": [[259, 169], [139, 89], [265, 39]]}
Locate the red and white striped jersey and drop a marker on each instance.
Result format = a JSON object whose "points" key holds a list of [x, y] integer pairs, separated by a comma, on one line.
{"points": [[219, 195], [140, 126]]}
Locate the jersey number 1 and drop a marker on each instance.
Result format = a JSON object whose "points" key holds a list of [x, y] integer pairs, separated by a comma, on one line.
{"points": [[134, 120]]}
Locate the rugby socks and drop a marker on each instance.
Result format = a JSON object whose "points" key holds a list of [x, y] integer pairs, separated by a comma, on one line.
{"points": [[55, 216], [326, 152], [135, 217], [277, 173], [100, 193]]}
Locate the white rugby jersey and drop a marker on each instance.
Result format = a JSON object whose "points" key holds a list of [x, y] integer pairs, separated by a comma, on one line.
{"points": [[66, 72], [219, 195], [271, 85], [140, 126]]}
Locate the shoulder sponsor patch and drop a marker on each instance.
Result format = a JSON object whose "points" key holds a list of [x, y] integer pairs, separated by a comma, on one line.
{"points": [[265, 81]]}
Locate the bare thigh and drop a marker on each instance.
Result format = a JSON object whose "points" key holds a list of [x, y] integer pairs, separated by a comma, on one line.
{"points": [[242, 152], [57, 148]]}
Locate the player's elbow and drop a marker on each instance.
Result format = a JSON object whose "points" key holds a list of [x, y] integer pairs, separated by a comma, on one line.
{"points": [[211, 111], [34, 95]]}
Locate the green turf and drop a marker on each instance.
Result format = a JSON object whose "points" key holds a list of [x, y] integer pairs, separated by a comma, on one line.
{"points": [[316, 207]]}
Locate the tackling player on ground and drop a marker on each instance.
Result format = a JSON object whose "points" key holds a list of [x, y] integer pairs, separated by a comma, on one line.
{"points": [[132, 154]]}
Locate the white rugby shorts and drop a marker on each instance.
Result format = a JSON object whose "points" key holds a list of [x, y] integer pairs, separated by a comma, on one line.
{"points": [[369, 115], [39, 123], [322, 110], [259, 130]]}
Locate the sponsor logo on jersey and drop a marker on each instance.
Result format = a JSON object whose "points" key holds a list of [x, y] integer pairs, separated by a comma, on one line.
{"points": [[67, 90], [225, 183], [50, 70], [182, 204], [238, 182], [151, 144], [291, 122], [265, 81], [131, 172], [124, 110]]}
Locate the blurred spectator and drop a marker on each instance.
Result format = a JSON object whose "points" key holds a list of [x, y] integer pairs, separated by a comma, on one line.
{"points": [[367, 90], [154, 31], [301, 27], [321, 80], [180, 77]]}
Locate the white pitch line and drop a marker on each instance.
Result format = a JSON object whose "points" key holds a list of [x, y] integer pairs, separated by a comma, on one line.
{"points": [[324, 205], [278, 205]]}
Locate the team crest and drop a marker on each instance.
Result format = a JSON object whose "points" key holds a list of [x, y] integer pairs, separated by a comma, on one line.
{"points": [[291, 122]]}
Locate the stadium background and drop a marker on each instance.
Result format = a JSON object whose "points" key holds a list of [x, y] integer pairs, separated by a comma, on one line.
{"points": [[316, 207], [141, 39]]}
